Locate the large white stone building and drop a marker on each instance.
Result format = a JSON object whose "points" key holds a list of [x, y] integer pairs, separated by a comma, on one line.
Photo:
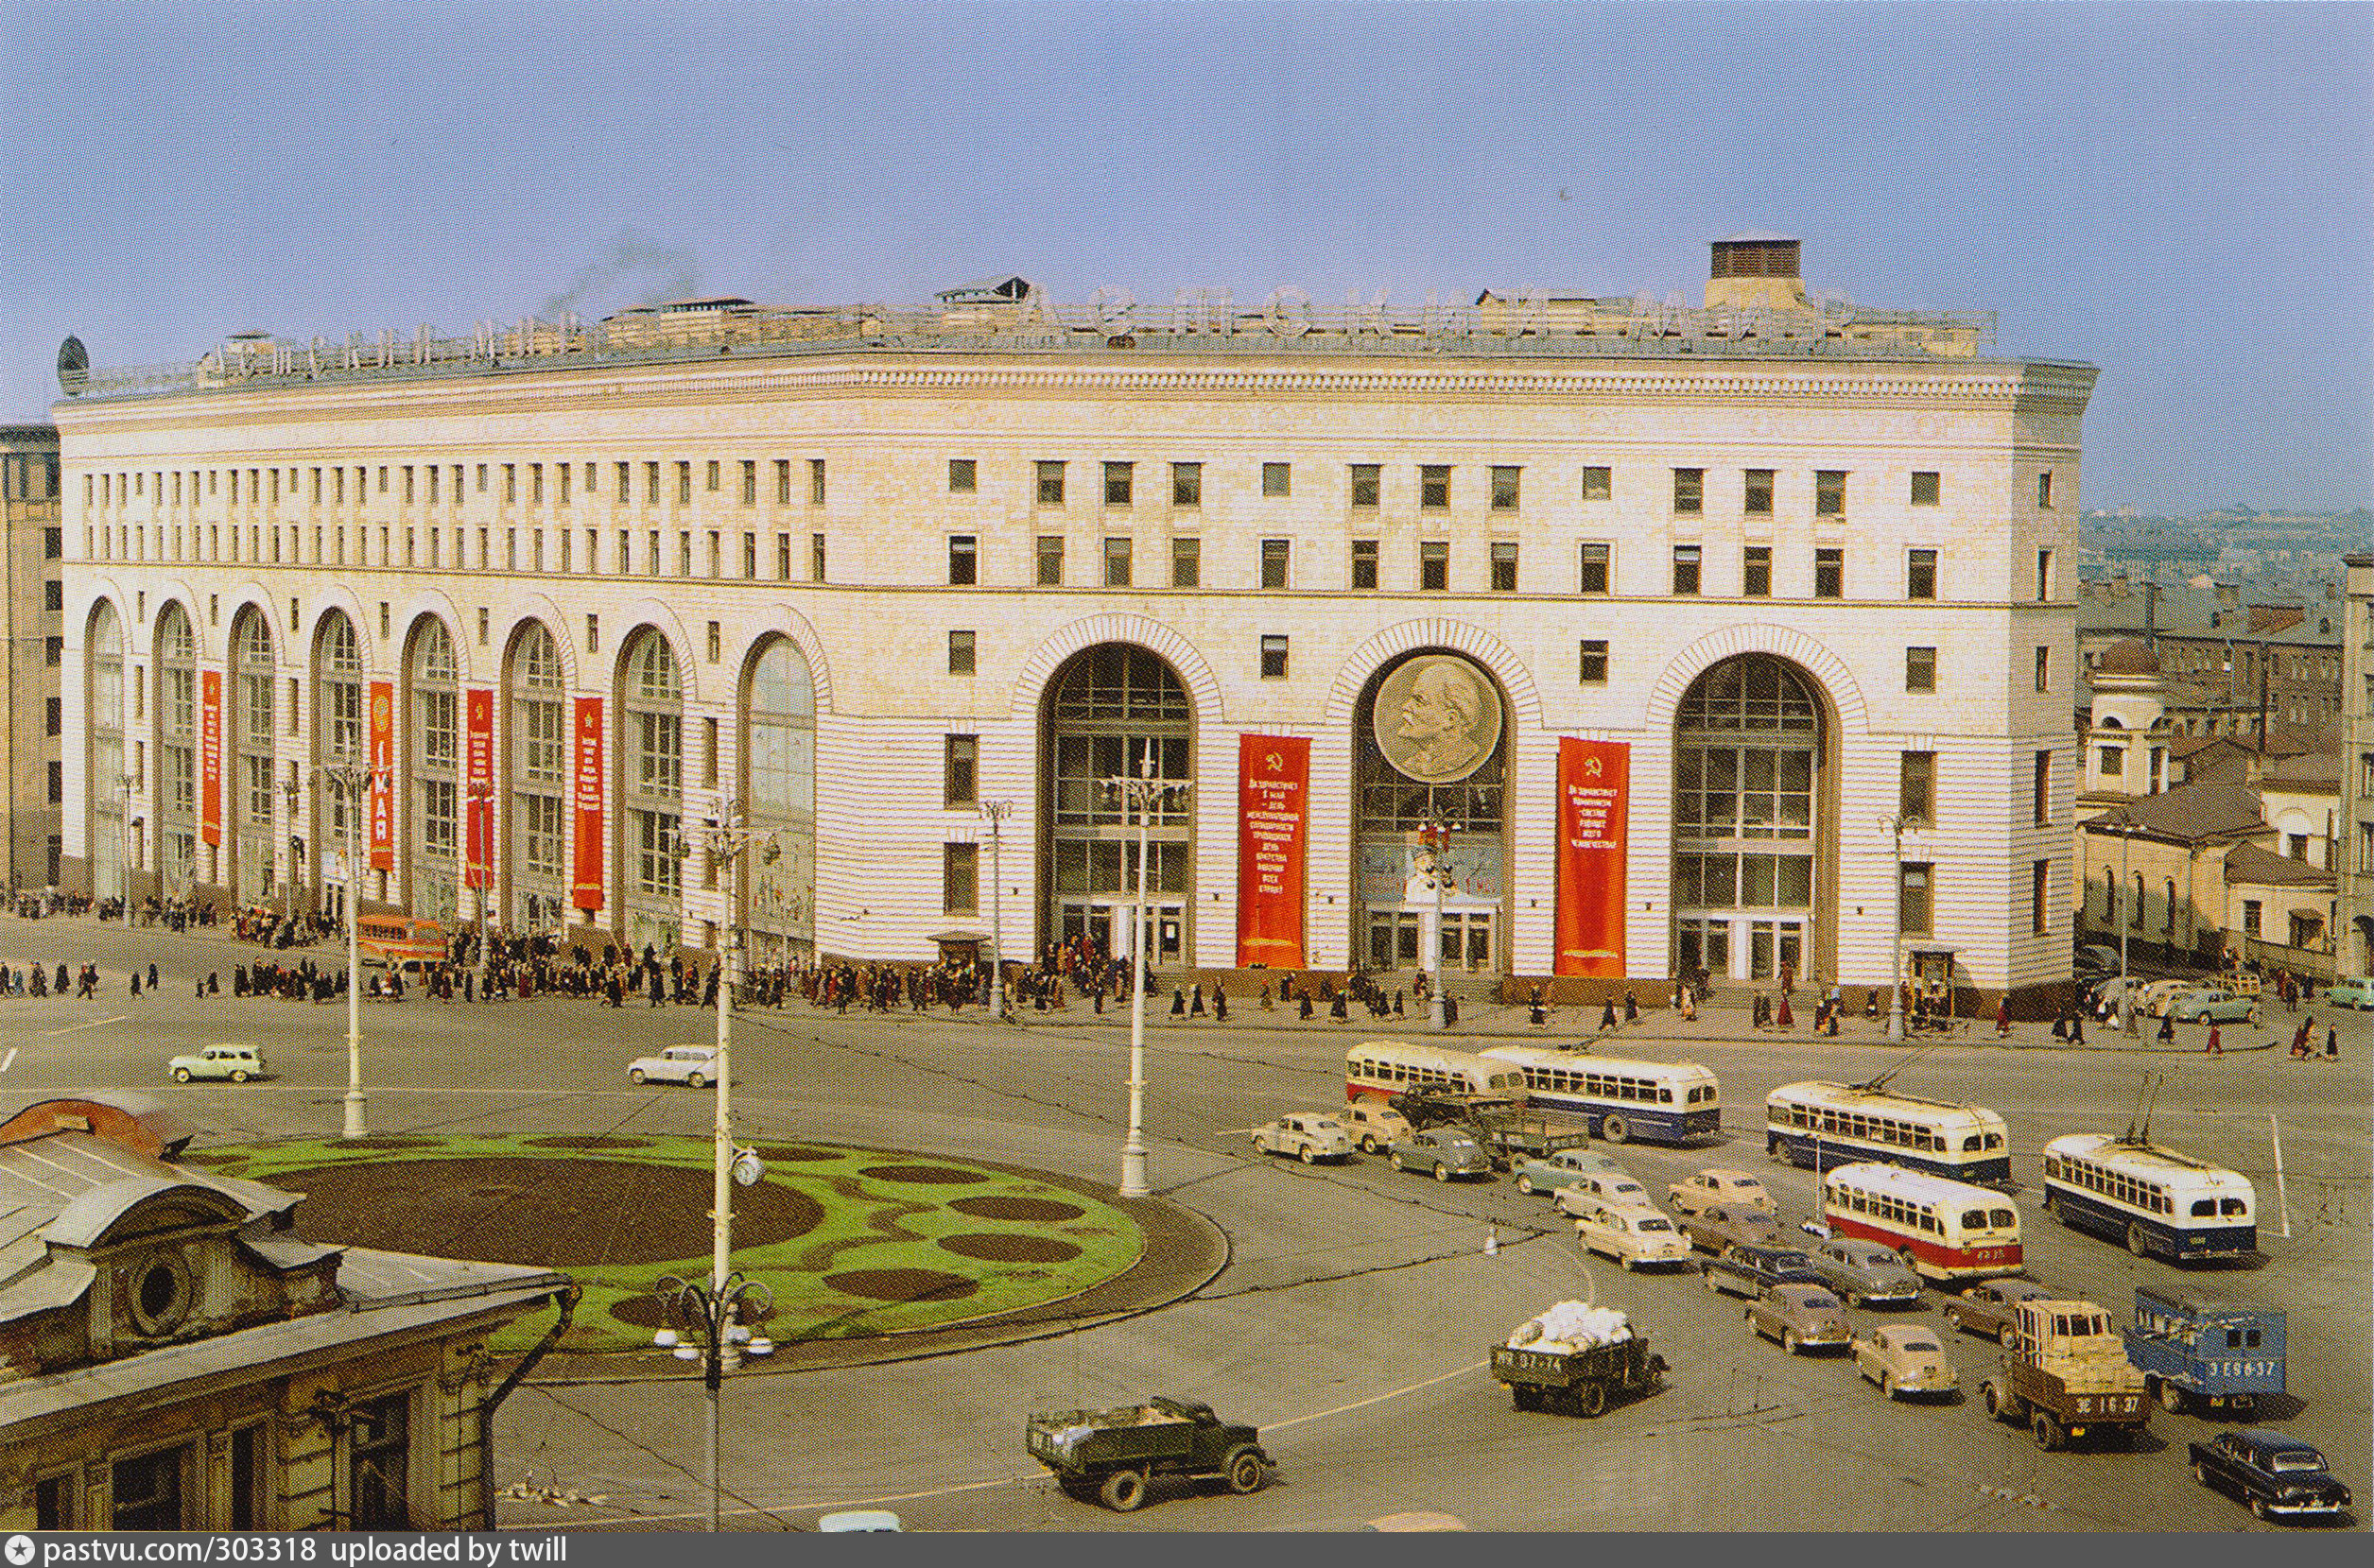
{"points": [[1783, 585]]}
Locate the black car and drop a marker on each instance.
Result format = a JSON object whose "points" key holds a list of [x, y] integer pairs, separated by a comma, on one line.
{"points": [[1747, 1269], [2278, 1475]]}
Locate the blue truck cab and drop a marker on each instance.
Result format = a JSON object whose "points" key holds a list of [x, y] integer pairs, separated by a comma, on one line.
{"points": [[2216, 1353]]}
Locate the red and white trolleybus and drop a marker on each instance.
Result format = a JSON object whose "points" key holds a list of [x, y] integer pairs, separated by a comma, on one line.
{"points": [[1944, 1229]]}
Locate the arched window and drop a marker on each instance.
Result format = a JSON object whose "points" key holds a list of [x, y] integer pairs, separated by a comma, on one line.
{"points": [[177, 748], [434, 677], [105, 783], [253, 809], [779, 790], [2170, 927], [538, 766], [650, 790], [1106, 706], [337, 739], [2135, 908], [1746, 749]]}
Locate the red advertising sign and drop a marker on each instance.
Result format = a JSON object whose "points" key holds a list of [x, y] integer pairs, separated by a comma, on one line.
{"points": [[1273, 789], [586, 887], [1594, 799], [383, 775], [478, 784], [210, 756]]}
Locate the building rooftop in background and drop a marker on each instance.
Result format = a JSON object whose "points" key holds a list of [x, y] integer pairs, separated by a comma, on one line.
{"points": [[1755, 306]]}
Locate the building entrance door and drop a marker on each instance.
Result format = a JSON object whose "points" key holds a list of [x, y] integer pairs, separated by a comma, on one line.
{"points": [[1772, 944], [1106, 922], [1468, 940]]}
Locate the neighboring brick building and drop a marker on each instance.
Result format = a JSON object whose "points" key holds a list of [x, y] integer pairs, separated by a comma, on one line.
{"points": [[1803, 563], [32, 611]]}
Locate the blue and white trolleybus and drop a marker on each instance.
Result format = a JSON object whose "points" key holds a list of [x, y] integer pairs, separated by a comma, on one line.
{"points": [[1656, 1102], [1821, 1125], [2160, 1202]]}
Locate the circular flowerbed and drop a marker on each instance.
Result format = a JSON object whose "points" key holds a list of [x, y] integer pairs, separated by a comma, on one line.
{"points": [[851, 1242]]}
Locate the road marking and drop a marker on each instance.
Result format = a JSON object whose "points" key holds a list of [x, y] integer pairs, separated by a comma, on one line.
{"points": [[92, 1024], [10, 1060]]}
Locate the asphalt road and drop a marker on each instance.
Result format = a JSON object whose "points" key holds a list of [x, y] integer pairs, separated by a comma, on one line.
{"points": [[1352, 1320]]}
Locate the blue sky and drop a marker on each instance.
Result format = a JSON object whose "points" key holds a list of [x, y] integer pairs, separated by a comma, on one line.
{"points": [[2183, 196]]}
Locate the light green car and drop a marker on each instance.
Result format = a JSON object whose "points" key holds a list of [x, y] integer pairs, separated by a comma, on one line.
{"points": [[236, 1063], [2352, 990]]}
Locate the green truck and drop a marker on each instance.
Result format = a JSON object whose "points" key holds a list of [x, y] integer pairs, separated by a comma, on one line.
{"points": [[1578, 1382], [1110, 1454]]}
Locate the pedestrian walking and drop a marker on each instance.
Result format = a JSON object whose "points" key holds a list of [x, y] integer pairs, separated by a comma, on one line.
{"points": [[2333, 1043], [2167, 1034], [2217, 1046], [153, 976], [2003, 1020], [1783, 1017], [1220, 1003], [1195, 1009], [1607, 1016], [1632, 1008], [1536, 1011]]}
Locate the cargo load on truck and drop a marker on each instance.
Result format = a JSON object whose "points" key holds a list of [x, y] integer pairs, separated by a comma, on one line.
{"points": [[2065, 1375], [1574, 1358]]}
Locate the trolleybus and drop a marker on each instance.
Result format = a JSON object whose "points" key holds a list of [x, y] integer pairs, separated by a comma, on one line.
{"points": [[1944, 1229], [1381, 1069], [2157, 1201], [1656, 1102], [1821, 1125]]}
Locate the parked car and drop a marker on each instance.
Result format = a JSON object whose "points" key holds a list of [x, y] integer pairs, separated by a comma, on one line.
{"points": [[1751, 1269], [1720, 1225], [2212, 1006], [2103, 955], [692, 1065], [2352, 990], [1556, 1170], [236, 1063], [2274, 1473], [1601, 1187], [1736, 1187], [1443, 1152], [1802, 1316], [1636, 1235], [2154, 998], [1905, 1359], [1865, 1273], [1308, 1135], [1375, 1128], [1986, 1308]]}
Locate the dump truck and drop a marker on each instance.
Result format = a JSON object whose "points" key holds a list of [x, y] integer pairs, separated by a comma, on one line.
{"points": [[1509, 1136], [2215, 1354], [2066, 1377], [1110, 1454], [1575, 1360]]}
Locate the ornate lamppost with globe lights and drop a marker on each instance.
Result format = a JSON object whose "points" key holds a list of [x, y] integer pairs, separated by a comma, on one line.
{"points": [[1141, 795], [351, 782], [721, 1311]]}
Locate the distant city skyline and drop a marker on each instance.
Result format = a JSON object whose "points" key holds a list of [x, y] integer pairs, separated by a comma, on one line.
{"points": [[2183, 196]]}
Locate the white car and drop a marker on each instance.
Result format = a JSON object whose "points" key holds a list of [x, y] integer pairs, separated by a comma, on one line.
{"points": [[236, 1063], [694, 1065], [1733, 1188], [1635, 1234], [1596, 1187], [1308, 1135], [1373, 1127]]}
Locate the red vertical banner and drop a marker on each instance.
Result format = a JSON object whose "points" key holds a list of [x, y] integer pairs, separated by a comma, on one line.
{"points": [[383, 776], [210, 756], [586, 769], [1594, 800], [1273, 786], [478, 786]]}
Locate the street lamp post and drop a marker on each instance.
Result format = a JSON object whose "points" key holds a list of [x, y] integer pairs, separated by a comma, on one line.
{"points": [[126, 783], [1437, 835], [1896, 938], [1141, 795], [724, 838], [352, 781], [994, 813], [714, 1311], [481, 796], [288, 789]]}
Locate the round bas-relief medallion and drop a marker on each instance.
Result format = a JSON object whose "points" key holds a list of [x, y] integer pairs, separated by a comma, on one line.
{"points": [[1437, 717]]}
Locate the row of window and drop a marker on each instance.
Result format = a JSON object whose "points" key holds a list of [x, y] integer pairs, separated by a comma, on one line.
{"points": [[1914, 897], [513, 483], [426, 484], [646, 551], [1878, 1129]]}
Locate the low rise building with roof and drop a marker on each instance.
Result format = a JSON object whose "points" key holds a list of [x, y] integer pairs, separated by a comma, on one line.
{"points": [[174, 1356]]}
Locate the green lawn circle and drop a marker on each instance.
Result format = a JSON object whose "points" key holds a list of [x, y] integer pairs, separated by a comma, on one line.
{"points": [[875, 1224]]}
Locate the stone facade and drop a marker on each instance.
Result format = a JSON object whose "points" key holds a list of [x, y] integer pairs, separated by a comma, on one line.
{"points": [[30, 749], [943, 521]]}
